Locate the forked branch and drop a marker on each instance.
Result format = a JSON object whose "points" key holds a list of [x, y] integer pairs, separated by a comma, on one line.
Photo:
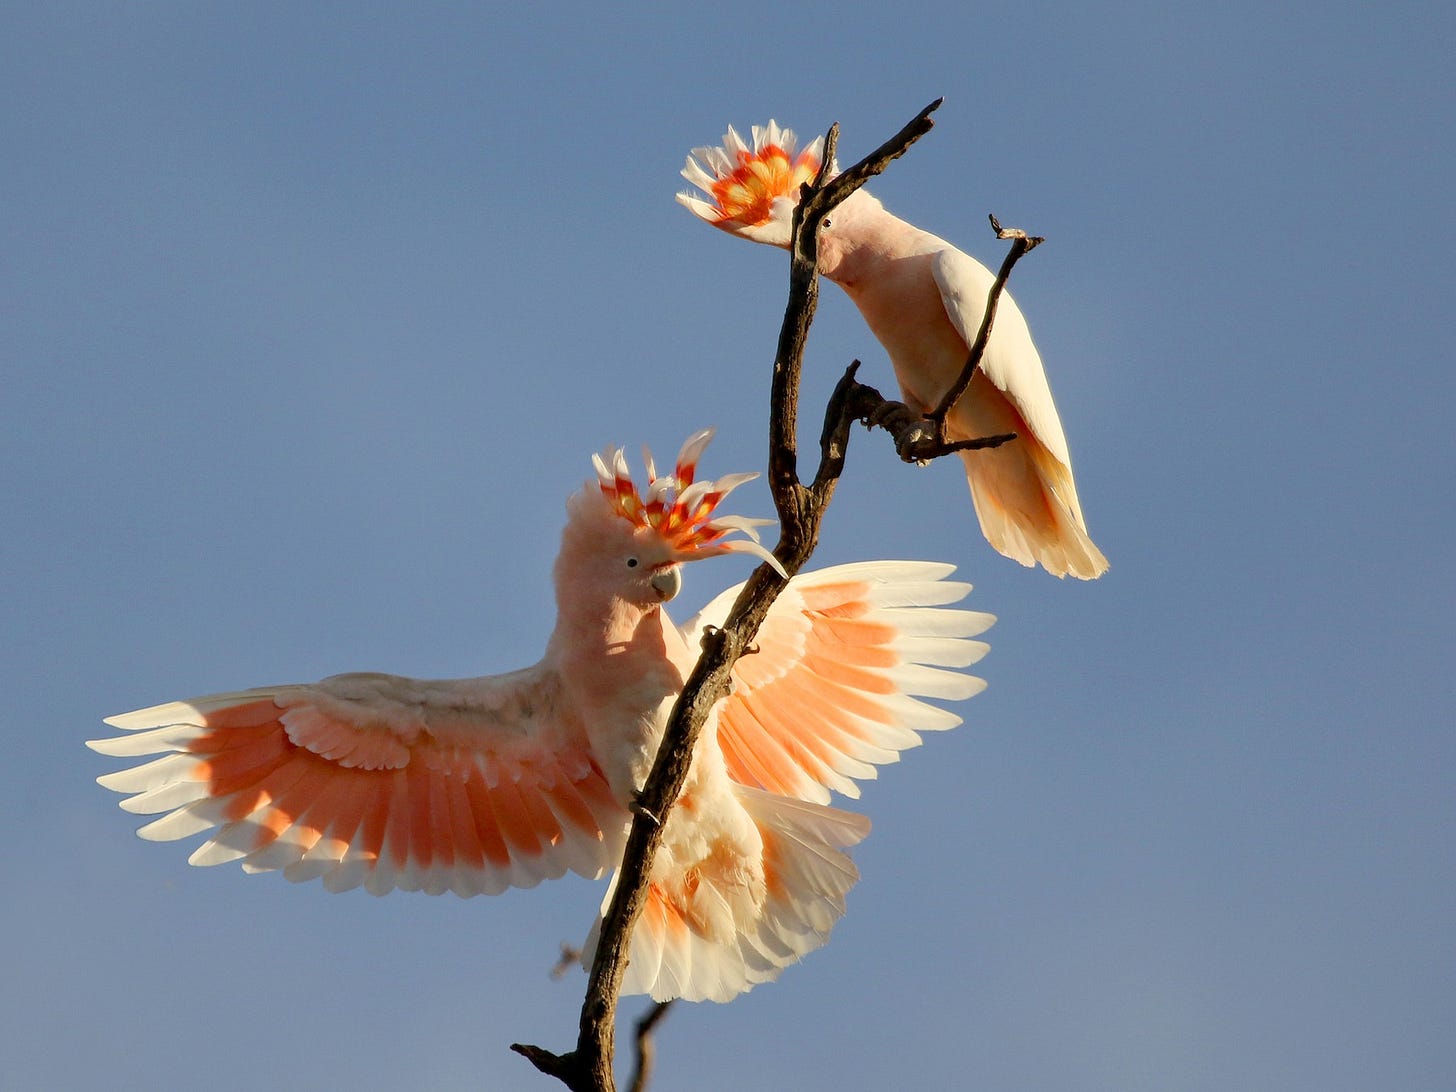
{"points": [[801, 508]]}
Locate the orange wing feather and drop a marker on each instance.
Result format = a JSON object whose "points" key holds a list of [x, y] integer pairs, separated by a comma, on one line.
{"points": [[375, 780], [832, 691]]}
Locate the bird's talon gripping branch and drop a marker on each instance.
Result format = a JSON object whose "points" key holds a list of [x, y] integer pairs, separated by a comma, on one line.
{"points": [[930, 448], [914, 443]]}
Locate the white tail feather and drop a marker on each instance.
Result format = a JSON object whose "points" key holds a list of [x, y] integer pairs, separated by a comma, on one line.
{"points": [[807, 876]]}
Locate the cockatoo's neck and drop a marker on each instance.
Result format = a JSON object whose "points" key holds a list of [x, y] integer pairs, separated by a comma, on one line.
{"points": [[860, 237], [615, 629], [621, 675]]}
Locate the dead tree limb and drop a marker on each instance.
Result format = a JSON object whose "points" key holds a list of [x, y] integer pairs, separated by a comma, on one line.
{"points": [[646, 1050], [588, 1067]]}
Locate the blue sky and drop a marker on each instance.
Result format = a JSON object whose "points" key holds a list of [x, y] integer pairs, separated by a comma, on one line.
{"points": [[312, 315]]}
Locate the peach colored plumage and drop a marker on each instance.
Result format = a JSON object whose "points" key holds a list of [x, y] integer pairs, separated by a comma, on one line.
{"points": [[476, 785], [923, 300]]}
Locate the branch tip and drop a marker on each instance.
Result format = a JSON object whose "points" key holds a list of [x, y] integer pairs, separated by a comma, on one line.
{"points": [[1015, 234], [564, 1067]]}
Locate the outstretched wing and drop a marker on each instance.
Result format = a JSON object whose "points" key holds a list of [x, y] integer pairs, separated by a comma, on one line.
{"points": [[843, 657], [470, 785]]}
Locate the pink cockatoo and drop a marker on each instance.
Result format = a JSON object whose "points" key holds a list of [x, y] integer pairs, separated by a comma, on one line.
{"points": [[923, 300], [475, 785]]}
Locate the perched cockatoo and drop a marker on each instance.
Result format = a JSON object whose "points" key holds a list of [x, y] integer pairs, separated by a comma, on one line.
{"points": [[475, 785], [924, 300]]}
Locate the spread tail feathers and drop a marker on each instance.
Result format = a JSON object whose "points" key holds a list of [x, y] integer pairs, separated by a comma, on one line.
{"points": [[728, 925]]}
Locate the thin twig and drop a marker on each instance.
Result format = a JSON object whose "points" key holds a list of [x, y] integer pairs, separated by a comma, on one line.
{"points": [[646, 1050], [846, 182], [1021, 243]]}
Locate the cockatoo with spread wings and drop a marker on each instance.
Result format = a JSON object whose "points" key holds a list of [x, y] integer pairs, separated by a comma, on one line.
{"points": [[924, 300], [476, 785]]}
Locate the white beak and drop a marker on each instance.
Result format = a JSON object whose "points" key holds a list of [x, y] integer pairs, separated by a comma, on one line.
{"points": [[667, 582]]}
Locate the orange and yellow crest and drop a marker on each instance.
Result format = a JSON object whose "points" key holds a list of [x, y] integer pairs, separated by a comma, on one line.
{"points": [[744, 182], [678, 507]]}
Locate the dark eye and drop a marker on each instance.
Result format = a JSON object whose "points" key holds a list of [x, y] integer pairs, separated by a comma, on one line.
{"points": [[631, 563], [827, 223]]}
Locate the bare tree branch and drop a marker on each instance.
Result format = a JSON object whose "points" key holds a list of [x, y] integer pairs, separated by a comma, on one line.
{"points": [[588, 1068], [1020, 245], [646, 1051]]}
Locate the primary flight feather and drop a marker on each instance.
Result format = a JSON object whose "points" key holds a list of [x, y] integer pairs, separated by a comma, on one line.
{"points": [[476, 785]]}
